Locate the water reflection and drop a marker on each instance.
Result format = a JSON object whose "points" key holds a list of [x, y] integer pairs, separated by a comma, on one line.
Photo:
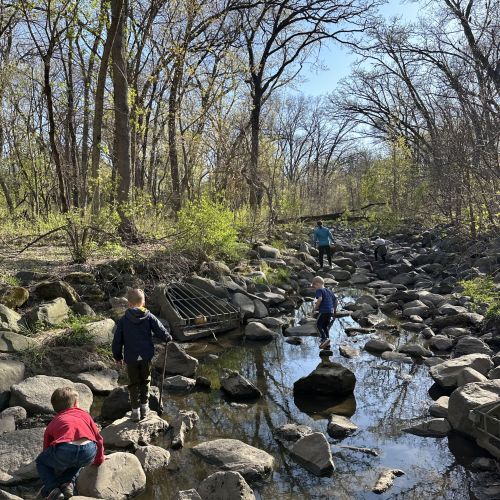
{"points": [[388, 397]]}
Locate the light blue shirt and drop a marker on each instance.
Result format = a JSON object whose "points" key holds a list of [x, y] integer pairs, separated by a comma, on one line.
{"points": [[322, 236]]}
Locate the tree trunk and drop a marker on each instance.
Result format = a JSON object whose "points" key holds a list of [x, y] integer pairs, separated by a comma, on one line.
{"points": [[121, 156], [98, 117], [47, 90], [256, 191]]}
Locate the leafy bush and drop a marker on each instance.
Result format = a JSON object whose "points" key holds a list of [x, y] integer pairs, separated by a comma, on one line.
{"points": [[483, 290], [207, 229]]}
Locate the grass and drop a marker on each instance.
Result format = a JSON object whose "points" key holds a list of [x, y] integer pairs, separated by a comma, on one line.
{"points": [[274, 277], [482, 290]]}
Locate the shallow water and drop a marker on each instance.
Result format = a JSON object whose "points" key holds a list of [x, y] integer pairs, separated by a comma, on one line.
{"points": [[388, 397]]}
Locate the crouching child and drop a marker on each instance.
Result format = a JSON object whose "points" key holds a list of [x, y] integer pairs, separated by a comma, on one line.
{"points": [[133, 344], [71, 441]]}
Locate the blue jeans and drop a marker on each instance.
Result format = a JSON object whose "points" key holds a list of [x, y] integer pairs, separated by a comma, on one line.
{"points": [[61, 463]]}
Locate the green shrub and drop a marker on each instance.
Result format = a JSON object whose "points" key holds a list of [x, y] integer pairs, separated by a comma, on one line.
{"points": [[483, 290], [206, 229]]}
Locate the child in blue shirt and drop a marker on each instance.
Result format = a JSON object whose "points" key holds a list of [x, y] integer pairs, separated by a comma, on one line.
{"points": [[326, 305]]}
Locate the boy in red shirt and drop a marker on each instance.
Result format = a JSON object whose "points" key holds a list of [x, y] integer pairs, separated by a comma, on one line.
{"points": [[71, 441]]}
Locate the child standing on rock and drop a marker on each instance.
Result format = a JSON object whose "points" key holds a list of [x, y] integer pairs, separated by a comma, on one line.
{"points": [[326, 305], [71, 441], [133, 343]]}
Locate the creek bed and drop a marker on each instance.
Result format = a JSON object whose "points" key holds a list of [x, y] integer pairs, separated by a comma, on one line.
{"points": [[389, 396]]}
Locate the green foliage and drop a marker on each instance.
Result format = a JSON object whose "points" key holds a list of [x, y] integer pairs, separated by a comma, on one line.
{"points": [[76, 333], [206, 228], [274, 277], [482, 290], [8, 279]]}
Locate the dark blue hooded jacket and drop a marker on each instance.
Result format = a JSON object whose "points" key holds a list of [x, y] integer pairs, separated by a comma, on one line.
{"points": [[134, 335]]}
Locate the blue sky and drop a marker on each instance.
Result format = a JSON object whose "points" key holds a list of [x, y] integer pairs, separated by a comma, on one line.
{"points": [[336, 59]]}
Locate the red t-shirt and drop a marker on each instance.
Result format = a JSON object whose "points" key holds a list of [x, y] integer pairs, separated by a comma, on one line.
{"points": [[73, 424]]}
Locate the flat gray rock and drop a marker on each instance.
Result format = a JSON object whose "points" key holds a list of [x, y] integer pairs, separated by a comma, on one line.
{"points": [[339, 426], [125, 432], [178, 383], [439, 408], [327, 379], [378, 346], [234, 455], [11, 373], [447, 374], [258, 331], [120, 477], [227, 485], [435, 427], [11, 342], [314, 454], [34, 393], [99, 382], [152, 458]]}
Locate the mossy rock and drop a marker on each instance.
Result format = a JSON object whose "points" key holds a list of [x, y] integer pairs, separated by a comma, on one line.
{"points": [[15, 297]]}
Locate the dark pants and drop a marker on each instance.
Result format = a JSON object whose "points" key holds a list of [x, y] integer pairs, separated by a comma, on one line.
{"points": [[380, 252], [139, 378], [322, 250], [61, 464], [323, 324]]}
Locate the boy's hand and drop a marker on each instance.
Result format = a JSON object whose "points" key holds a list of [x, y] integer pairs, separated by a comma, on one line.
{"points": [[119, 363]]}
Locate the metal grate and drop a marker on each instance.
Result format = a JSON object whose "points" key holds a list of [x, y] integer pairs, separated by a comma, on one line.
{"points": [[198, 308], [487, 420]]}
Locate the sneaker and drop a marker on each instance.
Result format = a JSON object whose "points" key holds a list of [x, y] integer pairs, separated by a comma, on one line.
{"points": [[144, 411], [135, 415], [325, 344], [55, 494], [68, 489]]}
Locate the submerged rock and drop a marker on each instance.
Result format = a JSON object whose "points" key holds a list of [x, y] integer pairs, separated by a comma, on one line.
{"points": [[435, 427], [234, 455], [118, 478], [228, 485], [313, 453], [292, 432], [327, 379], [238, 387]]}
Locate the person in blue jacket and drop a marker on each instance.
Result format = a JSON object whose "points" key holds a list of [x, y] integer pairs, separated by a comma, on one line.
{"points": [[133, 343], [322, 240]]}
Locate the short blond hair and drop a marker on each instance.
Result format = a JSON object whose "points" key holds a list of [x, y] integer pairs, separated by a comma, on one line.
{"points": [[63, 398], [136, 297], [319, 280]]}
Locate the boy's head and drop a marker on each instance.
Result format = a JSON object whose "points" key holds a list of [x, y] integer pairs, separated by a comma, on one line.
{"points": [[318, 282], [135, 297], [320, 223], [64, 398]]}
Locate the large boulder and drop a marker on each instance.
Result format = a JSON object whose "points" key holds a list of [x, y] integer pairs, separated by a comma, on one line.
{"points": [[461, 320], [11, 373], [236, 386], [34, 393], [258, 331], [117, 404], [152, 458], [448, 373], [50, 313], [328, 378], [378, 346], [11, 342], [228, 485], [267, 251], [178, 361], [125, 432], [15, 296], [99, 382], [234, 455], [118, 478], [49, 290], [470, 345], [18, 450], [313, 452], [245, 304], [101, 331], [9, 319], [466, 398]]}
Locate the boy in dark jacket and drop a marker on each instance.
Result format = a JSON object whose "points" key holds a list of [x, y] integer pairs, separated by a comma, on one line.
{"points": [[134, 335], [71, 441]]}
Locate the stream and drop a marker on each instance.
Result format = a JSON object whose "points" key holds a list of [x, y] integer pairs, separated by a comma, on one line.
{"points": [[389, 396]]}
